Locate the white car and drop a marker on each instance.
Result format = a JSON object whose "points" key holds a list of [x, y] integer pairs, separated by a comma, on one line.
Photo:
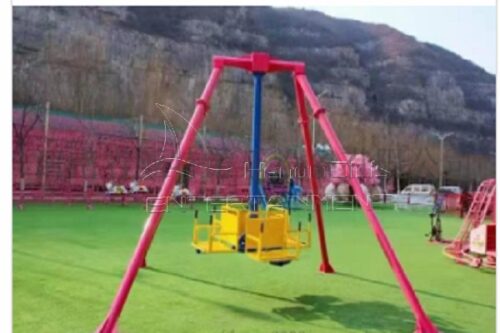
{"points": [[419, 194], [420, 189]]}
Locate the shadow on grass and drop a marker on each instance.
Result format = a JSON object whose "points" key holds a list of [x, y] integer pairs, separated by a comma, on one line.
{"points": [[375, 316], [220, 285], [423, 292], [68, 264], [347, 275]]}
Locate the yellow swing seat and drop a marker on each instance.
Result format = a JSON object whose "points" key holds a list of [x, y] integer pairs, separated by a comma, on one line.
{"points": [[265, 235]]}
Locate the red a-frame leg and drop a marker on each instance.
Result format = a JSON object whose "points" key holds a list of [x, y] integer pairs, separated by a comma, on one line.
{"points": [[325, 266], [423, 323], [160, 205]]}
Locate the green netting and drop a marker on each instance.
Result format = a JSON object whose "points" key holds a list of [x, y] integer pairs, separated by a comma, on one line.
{"points": [[125, 121]]}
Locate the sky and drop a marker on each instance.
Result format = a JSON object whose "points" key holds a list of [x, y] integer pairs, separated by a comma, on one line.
{"points": [[466, 30]]}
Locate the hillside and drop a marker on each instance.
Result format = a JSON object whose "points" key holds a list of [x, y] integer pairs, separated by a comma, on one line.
{"points": [[121, 61]]}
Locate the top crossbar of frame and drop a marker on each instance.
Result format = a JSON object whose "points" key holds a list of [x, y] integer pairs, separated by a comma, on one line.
{"points": [[259, 62]]}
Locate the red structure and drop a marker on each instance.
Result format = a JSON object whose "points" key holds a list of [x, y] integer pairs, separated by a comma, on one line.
{"points": [[483, 204], [263, 63], [83, 154]]}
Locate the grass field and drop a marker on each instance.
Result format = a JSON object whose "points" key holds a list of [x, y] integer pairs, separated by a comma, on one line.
{"points": [[68, 262]]}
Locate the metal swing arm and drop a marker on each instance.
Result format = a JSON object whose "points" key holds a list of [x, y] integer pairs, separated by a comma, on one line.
{"points": [[306, 136], [202, 105], [423, 323]]}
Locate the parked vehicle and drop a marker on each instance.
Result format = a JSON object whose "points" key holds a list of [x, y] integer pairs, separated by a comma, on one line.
{"points": [[417, 194]]}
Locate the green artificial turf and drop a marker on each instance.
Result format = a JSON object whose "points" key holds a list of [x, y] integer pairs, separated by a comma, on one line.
{"points": [[68, 262]]}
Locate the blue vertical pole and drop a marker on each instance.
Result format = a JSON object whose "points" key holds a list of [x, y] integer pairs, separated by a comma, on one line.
{"points": [[256, 120]]}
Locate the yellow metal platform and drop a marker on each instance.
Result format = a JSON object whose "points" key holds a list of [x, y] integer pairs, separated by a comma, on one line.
{"points": [[212, 247], [273, 255], [264, 235]]}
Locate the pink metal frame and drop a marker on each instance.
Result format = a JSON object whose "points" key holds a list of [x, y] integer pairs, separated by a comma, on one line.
{"points": [[263, 63]]}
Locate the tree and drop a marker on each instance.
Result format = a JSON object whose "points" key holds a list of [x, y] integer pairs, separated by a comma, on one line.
{"points": [[29, 117], [88, 152]]}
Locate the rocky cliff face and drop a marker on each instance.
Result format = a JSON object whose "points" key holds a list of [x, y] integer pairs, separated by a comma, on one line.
{"points": [[121, 61]]}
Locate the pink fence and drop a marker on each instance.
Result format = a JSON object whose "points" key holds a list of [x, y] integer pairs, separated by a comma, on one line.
{"points": [[94, 152]]}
